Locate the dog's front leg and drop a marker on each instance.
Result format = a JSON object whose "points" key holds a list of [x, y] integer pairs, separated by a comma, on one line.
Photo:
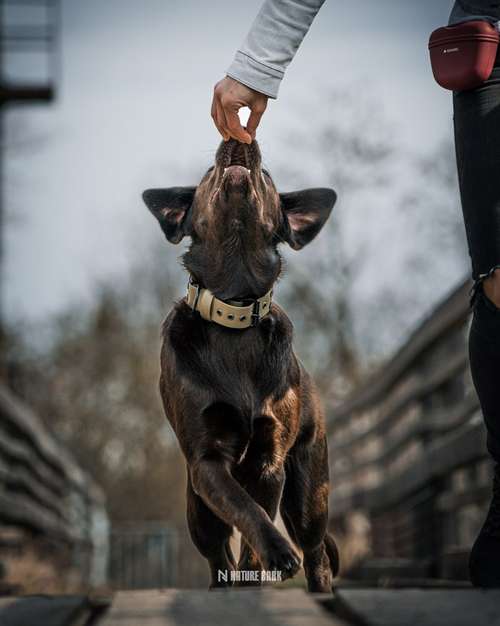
{"points": [[214, 483]]}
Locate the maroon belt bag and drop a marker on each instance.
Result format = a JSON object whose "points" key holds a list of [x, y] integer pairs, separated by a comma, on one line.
{"points": [[462, 56]]}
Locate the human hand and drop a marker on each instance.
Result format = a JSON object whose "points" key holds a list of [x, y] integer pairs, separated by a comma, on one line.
{"points": [[229, 97]]}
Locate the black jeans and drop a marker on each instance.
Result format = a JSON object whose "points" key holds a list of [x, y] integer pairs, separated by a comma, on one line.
{"points": [[477, 143]]}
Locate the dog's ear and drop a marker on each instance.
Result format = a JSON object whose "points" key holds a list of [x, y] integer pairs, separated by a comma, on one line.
{"points": [[305, 214], [170, 207]]}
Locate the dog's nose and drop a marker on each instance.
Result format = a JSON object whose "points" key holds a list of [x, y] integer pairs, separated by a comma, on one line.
{"points": [[236, 178]]}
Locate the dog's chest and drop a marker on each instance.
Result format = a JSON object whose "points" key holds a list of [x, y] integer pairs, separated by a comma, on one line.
{"points": [[240, 367]]}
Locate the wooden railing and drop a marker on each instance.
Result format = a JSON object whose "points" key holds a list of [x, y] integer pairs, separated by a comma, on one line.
{"points": [[408, 451], [46, 496]]}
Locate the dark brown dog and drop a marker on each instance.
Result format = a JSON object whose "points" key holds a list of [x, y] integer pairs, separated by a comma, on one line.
{"points": [[245, 411]]}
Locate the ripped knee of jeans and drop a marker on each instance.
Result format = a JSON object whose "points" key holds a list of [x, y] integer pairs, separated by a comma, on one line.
{"points": [[478, 291]]}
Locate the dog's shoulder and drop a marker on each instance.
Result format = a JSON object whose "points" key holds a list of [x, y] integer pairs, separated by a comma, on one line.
{"points": [[180, 314]]}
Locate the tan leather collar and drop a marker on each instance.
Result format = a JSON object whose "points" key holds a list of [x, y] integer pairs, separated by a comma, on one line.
{"points": [[232, 314]]}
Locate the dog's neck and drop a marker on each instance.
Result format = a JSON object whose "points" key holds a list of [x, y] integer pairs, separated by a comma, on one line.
{"points": [[239, 273]]}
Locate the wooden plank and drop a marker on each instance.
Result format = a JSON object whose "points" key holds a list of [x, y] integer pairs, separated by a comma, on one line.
{"points": [[419, 388], [21, 477], [28, 423], [41, 487], [31, 426], [20, 451], [452, 451], [45, 611], [273, 607], [21, 510], [419, 607], [428, 425], [448, 502]]}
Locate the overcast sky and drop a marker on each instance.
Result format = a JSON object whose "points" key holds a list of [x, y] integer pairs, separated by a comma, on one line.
{"points": [[133, 112]]}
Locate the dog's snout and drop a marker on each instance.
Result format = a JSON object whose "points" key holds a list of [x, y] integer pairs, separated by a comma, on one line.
{"points": [[235, 175], [236, 180]]}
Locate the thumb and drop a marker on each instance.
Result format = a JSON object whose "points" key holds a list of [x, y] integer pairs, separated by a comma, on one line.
{"points": [[254, 120]]}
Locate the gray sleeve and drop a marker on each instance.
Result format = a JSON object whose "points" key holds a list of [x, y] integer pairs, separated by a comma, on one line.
{"points": [[273, 40]]}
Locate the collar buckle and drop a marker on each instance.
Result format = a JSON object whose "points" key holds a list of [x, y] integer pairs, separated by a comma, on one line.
{"points": [[191, 283]]}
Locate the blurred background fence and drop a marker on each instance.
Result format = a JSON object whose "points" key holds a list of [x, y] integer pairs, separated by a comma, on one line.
{"points": [[143, 556]]}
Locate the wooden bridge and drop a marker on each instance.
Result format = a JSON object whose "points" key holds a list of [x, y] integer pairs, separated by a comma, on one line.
{"points": [[266, 607], [407, 453]]}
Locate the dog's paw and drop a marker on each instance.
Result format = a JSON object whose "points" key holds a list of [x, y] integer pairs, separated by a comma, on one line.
{"points": [[281, 557]]}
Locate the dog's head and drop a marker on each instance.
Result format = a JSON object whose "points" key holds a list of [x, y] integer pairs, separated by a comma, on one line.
{"points": [[236, 218]]}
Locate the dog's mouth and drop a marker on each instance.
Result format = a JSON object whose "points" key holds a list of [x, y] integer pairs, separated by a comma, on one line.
{"points": [[237, 166], [233, 152]]}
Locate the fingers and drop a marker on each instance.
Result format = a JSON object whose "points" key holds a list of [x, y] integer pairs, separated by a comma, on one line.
{"points": [[233, 124], [229, 97], [219, 119], [254, 120], [224, 112]]}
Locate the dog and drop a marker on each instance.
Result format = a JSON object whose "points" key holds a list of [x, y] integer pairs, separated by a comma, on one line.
{"points": [[245, 411]]}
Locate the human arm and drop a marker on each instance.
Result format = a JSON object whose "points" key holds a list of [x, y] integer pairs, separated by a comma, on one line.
{"points": [[260, 64]]}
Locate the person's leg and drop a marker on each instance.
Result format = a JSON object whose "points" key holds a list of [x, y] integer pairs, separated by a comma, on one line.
{"points": [[484, 352], [477, 141]]}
